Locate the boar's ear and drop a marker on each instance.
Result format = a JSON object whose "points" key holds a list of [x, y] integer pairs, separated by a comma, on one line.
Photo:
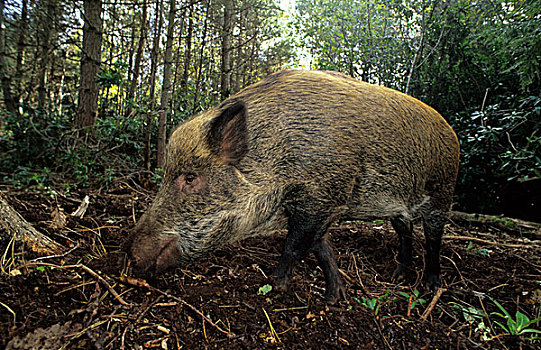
{"points": [[228, 134]]}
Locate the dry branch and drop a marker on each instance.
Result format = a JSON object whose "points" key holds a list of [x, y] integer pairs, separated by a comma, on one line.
{"points": [[510, 225], [142, 283], [12, 224], [430, 307]]}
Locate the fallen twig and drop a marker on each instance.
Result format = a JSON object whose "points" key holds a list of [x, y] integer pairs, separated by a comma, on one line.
{"points": [[142, 283], [479, 240], [385, 341], [102, 280], [430, 307], [57, 255], [90, 271]]}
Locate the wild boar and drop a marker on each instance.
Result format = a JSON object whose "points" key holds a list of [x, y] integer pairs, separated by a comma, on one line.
{"points": [[301, 150]]}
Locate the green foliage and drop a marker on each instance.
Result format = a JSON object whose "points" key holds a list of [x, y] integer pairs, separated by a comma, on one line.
{"points": [[112, 75], [413, 299], [498, 145], [517, 326], [374, 304], [38, 145], [475, 318], [264, 290], [365, 39]]}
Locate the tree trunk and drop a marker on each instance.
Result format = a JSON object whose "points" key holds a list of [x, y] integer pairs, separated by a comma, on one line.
{"points": [[419, 51], [10, 103], [166, 86], [131, 52], [188, 56], [138, 57], [90, 65], [12, 224], [225, 86], [153, 67], [47, 24], [21, 45], [199, 67]]}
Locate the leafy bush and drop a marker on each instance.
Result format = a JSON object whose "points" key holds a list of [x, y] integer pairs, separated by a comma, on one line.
{"points": [[499, 145], [36, 145]]}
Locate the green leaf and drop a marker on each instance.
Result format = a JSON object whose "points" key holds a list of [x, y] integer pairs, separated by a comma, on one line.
{"points": [[502, 326], [264, 289], [522, 320], [501, 308], [404, 294]]}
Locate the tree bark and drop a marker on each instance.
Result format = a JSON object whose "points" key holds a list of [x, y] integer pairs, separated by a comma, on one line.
{"points": [[188, 56], [199, 67], [14, 225], [138, 57], [47, 24], [419, 51], [21, 43], [90, 65], [5, 80], [166, 87], [225, 86], [153, 67]]}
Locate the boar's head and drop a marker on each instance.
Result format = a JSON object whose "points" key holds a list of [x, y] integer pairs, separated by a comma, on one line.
{"points": [[197, 207]]}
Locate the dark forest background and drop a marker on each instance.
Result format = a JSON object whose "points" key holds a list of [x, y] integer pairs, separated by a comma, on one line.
{"points": [[91, 89]]}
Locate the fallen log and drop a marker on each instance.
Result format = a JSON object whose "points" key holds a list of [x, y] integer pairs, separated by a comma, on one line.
{"points": [[509, 225], [12, 224]]}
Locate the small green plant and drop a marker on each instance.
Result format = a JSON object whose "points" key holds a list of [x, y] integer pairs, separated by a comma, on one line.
{"points": [[157, 176], [374, 303], [483, 251], [264, 290], [475, 318], [480, 251], [517, 326], [413, 299]]}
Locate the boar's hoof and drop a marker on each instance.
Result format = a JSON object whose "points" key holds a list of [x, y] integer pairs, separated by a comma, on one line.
{"points": [[281, 283], [399, 274], [432, 281], [335, 292]]}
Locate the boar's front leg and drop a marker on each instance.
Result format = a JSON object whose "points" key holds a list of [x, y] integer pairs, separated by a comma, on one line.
{"points": [[306, 233]]}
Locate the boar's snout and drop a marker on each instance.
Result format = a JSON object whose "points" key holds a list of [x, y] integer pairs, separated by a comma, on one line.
{"points": [[152, 253]]}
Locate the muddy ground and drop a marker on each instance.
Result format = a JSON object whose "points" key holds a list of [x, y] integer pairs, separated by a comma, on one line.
{"points": [[224, 301]]}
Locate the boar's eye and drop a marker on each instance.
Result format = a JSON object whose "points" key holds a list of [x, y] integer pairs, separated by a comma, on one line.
{"points": [[189, 179], [191, 183]]}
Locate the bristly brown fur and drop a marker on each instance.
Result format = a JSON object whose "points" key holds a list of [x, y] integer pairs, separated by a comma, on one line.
{"points": [[300, 150]]}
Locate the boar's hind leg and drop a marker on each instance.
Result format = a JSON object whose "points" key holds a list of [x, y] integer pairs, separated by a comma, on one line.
{"points": [[404, 229], [433, 223], [325, 256]]}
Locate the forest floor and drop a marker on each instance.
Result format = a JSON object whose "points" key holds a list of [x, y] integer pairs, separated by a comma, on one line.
{"points": [[68, 302]]}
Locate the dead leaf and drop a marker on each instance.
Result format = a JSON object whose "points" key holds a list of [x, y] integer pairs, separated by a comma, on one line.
{"points": [[80, 212], [59, 218]]}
